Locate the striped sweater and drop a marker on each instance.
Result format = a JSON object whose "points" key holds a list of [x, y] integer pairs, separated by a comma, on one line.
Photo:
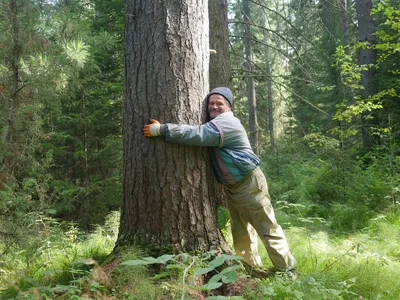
{"points": [[232, 157]]}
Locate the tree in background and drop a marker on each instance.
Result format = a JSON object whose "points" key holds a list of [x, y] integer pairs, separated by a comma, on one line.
{"points": [[220, 73], [86, 140], [269, 79], [61, 95], [366, 29], [61, 88], [24, 164], [220, 68], [167, 199], [251, 92]]}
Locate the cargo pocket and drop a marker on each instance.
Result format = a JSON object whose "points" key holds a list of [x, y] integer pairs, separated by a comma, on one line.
{"points": [[258, 191]]}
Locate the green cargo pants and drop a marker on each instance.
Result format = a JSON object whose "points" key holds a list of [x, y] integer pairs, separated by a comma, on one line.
{"points": [[250, 212]]}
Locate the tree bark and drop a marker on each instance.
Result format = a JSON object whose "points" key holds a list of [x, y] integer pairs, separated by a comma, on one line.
{"points": [[269, 85], [251, 92], [366, 30], [167, 199], [220, 68], [344, 22]]}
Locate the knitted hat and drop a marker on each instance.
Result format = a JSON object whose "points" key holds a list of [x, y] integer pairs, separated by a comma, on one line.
{"points": [[224, 92]]}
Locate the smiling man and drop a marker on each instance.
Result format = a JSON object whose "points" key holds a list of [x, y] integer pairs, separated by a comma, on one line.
{"points": [[236, 167]]}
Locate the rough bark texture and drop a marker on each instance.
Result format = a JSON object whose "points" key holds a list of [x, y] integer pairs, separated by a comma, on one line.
{"points": [[167, 199], [366, 29], [251, 92], [220, 68]]}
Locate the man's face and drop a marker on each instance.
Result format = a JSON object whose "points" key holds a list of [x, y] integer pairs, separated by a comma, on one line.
{"points": [[217, 105]]}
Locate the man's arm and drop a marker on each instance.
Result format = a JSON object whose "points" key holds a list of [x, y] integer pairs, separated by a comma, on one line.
{"points": [[205, 135]]}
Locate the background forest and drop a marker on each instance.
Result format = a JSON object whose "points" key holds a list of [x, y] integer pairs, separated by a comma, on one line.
{"points": [[316, 84]]}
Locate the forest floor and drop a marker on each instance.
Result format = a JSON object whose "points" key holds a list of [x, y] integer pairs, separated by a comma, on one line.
{"points": [[68, 264]]}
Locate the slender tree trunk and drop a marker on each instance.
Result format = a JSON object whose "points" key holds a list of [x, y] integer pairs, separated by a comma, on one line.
{"points": [[269, 84], [16, 51], [278, 21], [366, 29], [167, 198], [220, 68], [11, 98], [344, 22], [251, 92]]}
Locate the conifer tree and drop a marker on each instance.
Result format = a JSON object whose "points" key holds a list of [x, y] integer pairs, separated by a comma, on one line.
{"points": [[166, 78]]}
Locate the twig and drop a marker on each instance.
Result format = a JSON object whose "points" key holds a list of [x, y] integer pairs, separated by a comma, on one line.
{"points": [[184, 276]]}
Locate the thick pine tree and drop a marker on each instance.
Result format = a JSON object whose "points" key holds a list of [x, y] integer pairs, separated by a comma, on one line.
{"points": [[167, 196]]}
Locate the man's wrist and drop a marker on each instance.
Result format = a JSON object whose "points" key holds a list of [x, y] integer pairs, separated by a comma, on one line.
{"points": [[155, 129], [163, 128]]}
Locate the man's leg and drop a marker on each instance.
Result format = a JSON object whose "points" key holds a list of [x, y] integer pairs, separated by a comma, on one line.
{"points": [[261, 215], [273, 238], [244, 238]]}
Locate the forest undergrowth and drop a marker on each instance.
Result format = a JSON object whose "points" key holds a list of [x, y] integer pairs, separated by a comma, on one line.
{"points": [[70, 264], [341, 219]]}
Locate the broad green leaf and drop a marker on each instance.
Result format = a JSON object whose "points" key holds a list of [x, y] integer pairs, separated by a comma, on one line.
{"points": [[136, 262], [215, 278], [230, 269], [160, 275], [149, 260], [201, 271], [164, 258], [212, 285], [230, 277], [219, 260], [51, 211], [175, 266]]}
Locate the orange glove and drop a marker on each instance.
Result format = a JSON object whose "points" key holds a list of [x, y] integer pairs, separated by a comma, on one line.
{"points": [[152, 129]]}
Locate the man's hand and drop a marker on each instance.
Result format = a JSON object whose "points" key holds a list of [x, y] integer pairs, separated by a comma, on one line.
{"points": [[152, 129]]}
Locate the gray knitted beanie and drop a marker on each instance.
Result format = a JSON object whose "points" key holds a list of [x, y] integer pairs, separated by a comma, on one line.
{"points": [[224, 92]]}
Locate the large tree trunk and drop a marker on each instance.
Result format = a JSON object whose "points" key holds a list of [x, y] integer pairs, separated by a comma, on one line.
{"points": [[251, 92], [220, 67], [167, 196], [366, 29]]}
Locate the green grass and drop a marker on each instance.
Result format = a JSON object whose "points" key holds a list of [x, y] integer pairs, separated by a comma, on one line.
{"points": [[363, 263]]}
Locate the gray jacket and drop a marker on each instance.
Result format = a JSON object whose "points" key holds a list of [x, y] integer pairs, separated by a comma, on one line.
{"points": [[231, 154]]}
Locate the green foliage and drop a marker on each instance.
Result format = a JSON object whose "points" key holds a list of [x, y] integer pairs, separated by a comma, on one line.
{"points": [[61, 155], [195, 265], [389, 31], [360, 264], [76, 52], [63, 149], [350, 70], [311, 183], [59, 261]]}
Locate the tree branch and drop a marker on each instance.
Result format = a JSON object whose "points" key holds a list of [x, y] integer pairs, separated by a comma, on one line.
{"points": [[291, 25], [285, 86], [267, 29], [282, 52]]}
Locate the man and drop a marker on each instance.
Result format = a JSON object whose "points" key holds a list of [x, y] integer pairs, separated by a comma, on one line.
{"points": [[237, 167]]}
